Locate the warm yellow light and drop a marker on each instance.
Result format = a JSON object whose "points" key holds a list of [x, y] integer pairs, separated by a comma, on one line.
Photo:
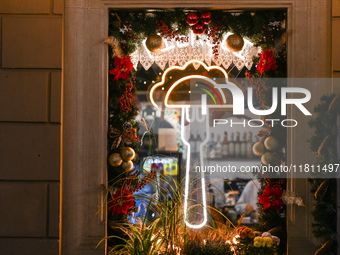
{"points": [[159, 84], [235, 241], [188, 78]]}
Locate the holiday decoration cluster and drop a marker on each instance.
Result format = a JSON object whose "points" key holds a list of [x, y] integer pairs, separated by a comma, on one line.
{"points": [[271, 148], [127, 30]]}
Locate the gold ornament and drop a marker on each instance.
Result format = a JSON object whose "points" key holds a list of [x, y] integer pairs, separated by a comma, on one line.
{"points": [[127, 166], [154, 43], [128, 154], [258, 149], [115, 160], [271, 143], [267, 158], [235, 42]]}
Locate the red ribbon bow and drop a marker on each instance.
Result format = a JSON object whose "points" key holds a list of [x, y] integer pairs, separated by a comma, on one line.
{"points": [[128, 135]]}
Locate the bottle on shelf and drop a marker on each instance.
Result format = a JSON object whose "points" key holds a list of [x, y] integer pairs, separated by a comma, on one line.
{"points": [[205, 147], [197, 144], [250, 145], [232, 146], [244, 145], [237, 146], [198, 141], [211, 148], [218, 147], [225, 146], [192, 145], [211, 196], [192, 140]]}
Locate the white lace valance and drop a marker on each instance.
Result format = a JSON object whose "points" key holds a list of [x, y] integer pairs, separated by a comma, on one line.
{"points": [[176, 53]]}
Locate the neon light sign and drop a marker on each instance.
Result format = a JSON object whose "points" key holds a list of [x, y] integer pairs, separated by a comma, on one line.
{"points": [[200, 113]]}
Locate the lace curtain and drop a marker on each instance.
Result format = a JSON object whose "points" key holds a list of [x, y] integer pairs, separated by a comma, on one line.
{"points": [[176, 53]]}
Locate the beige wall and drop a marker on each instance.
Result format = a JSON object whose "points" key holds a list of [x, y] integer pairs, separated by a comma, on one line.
{"points": [[30, 124], [336, 70]]}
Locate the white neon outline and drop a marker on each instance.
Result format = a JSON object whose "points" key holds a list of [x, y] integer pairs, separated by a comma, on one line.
{"points": [[204, 108], [208, 68], [185, 115], [187, 173]]}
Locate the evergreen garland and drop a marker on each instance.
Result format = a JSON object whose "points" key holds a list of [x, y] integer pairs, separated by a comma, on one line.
{"points": [[272, 218], [252, 25], [323, 143]]}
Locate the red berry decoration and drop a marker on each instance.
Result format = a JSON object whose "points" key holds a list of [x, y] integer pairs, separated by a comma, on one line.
{"points": [[205, 17], [198, 29], [192, 19]]}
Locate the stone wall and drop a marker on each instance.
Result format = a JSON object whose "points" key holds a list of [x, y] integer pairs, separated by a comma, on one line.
{"points": [[30, 125]]}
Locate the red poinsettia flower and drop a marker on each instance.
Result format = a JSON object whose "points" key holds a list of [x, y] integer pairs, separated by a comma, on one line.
{"points": [[123, 68], [267, 62], [122, 201], [271, 198]]}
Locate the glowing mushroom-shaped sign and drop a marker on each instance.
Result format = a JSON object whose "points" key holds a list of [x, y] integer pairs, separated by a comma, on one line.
{"points": [[194, 90]]}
